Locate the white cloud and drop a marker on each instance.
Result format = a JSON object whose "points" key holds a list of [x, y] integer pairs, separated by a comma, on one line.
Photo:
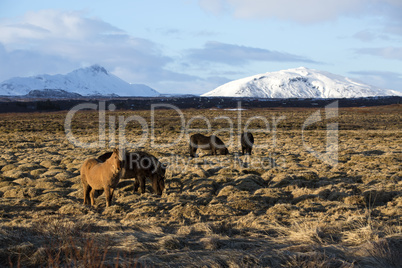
{"points": [[240, 55], [306, 11], [215, 7], [302, 11], [24, 62], [381, 79], [53, 24], [393, 53]]}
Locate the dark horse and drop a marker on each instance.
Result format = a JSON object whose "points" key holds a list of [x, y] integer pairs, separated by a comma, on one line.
{"points": [[247, 142], [213, 143], [141, 165]]}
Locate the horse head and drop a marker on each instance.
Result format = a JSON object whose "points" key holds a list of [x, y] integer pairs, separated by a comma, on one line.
{"points": [[115, 160]]}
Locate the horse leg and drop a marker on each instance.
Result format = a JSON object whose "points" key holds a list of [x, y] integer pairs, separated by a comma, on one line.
{"points": [[111, 191], [84, 190], [85, 187], [154, 181], [136, 185], [87, 190], [111, 194], [92, 196], [108, 196], [157, 189], [193, 151], [142, 184]]}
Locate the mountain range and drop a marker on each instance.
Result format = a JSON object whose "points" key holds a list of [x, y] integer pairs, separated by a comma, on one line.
{"points": [[90, 81], [97, 81], [298, 83]]}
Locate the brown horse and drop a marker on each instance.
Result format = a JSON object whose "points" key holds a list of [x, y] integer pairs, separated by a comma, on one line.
{"points": [[98, 175]]}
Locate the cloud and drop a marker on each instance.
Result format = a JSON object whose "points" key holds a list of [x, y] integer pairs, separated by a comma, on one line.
{"points": [[387, 22], [183, 34], [52, 41], [23, 62], [239, 55], [37, 26], [381, 79], [366, 35], [307, 11], [215, 7], [196, 85], [394, 53]]}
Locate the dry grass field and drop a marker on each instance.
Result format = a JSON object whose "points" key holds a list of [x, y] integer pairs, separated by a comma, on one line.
{"points": [[279, 207]]}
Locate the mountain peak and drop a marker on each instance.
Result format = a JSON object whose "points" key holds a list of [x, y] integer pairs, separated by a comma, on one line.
{"points": [[96, 68], [89, 81], [298, 83], [93, 69], [301, 70]]}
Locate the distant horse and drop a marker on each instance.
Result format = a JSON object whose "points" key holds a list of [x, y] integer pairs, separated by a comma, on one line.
{"points": [[142, 165], [98, 175], [247, 142], [213, 143]]}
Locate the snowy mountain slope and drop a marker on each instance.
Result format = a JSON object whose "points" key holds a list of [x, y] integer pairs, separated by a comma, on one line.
{"points": [[93, 80], [298, 83]]}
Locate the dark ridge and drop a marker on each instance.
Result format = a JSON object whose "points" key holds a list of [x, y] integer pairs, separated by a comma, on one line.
{"points": [[39, 104]]}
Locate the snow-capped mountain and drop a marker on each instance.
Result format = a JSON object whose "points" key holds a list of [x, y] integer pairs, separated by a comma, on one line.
{"points": [[298, 83], [93, 80]]}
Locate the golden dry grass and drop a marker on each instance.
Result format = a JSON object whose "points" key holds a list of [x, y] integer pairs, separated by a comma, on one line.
{"points": [[280, 207]]}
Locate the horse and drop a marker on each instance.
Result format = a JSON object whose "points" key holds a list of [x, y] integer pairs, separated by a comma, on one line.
{"points": [[213, 143], [98, 175], [247, 142], [142, 165]]}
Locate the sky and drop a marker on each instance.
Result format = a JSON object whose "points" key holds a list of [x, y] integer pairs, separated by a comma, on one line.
{"points": [[194, 46]]}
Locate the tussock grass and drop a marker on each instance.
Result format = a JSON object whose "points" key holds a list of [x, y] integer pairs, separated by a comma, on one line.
{"points": [[280, 207]]}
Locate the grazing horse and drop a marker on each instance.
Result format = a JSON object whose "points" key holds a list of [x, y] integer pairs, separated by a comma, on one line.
{"points": [[98, 175], [247, 142], [213, 143], [141, 165]]}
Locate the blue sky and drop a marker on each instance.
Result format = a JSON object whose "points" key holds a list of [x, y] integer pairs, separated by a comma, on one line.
{"points": [[190, 46]]}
